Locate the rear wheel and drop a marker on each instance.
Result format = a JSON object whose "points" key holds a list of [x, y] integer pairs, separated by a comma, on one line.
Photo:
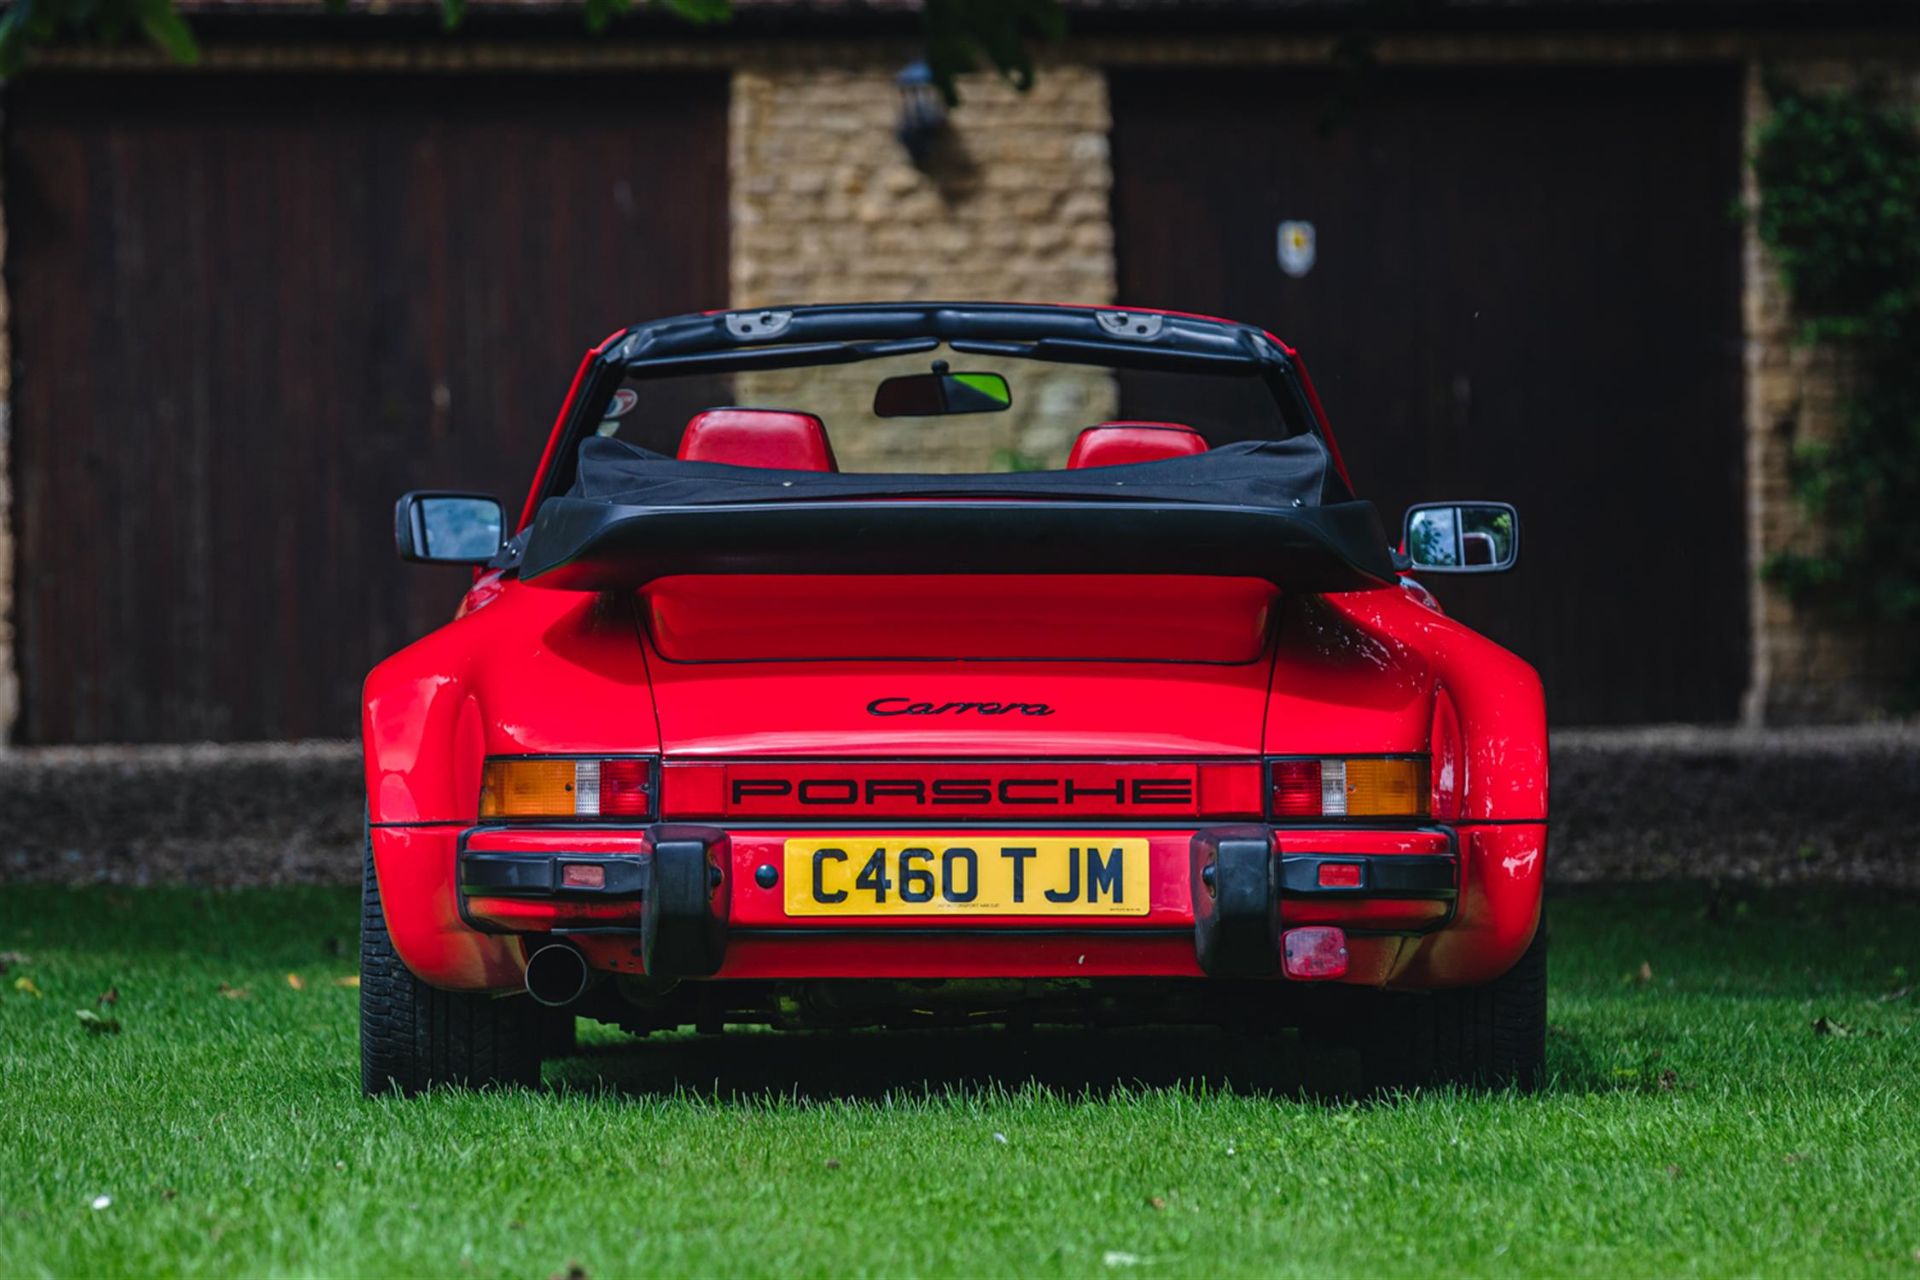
{"points": [[1492, 1036], [413, 1036]]}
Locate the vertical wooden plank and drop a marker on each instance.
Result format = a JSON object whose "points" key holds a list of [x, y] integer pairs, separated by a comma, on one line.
{"points": [[1528, 287], [250, 311]]}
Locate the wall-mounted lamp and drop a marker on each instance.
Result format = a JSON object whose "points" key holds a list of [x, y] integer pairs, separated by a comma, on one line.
{"points": [[923, 112]]}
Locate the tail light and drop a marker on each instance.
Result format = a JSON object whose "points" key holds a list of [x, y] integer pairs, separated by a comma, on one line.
{"points": [[1349, 787], [567, 787], [1296, 789], [626, 787]]}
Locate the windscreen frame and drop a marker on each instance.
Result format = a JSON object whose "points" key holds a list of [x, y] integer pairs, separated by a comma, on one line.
{"points": [[826, 335]]}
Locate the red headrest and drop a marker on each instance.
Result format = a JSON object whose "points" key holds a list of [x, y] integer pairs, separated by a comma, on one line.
{"points": [[1113, 443], [785, 439]]}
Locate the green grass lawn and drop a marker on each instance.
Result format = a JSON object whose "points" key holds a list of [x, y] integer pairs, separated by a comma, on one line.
{"points": [[1697, 1122]]}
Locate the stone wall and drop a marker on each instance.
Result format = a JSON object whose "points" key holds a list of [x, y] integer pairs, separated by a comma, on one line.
{"points": [[1806, 667], [1011, 204]]}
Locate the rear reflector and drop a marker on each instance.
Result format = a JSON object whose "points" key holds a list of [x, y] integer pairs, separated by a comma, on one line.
{"points": [[1315, 953], [1339, 875], [583, 875]]}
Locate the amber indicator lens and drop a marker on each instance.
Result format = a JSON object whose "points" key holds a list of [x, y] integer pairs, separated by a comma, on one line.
{"points": [[1387, 788], [527, 789]]}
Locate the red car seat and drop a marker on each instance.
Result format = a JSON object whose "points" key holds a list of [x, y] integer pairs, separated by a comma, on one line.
{"points": [[785, 439], [1112, 444]]}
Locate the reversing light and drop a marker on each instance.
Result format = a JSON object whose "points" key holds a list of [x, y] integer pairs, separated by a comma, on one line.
{"points": [[565, 787], [1349, 787]]}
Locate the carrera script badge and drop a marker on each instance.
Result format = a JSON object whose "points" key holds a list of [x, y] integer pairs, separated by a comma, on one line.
{"points": [[909, 707]]}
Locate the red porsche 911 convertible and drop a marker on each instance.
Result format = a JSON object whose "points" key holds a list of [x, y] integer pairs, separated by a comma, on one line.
{"points": [[1085, 690]]}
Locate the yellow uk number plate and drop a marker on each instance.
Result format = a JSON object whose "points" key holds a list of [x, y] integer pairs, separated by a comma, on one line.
{"points": [[965, 875]]}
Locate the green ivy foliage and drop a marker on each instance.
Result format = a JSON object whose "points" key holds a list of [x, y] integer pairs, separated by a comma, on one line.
{"points": [[959, 34], [1839, 179], [29, 24]]}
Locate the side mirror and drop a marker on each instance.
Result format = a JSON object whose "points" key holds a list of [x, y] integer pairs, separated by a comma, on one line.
{"points": [[448, 528], [1462, 537]]}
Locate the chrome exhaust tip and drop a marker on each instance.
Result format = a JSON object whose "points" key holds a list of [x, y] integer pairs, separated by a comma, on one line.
{"points": [[557, 975]]}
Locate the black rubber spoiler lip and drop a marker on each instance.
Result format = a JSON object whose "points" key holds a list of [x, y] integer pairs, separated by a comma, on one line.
{"points": [[582, 545]]}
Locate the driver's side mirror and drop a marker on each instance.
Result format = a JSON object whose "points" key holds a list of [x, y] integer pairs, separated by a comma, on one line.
{"points": [[431, 527], [1462, 537]]}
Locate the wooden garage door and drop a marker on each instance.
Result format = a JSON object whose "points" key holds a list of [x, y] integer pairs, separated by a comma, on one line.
{"points": [[249, 312], [1526, 286]]}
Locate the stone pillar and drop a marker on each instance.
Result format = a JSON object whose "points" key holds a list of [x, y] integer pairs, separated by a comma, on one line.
{"points": [[1013, 203]]}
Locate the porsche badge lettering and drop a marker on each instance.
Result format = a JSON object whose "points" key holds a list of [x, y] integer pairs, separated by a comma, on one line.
{"points": [[908, 707], [1106, 793]]}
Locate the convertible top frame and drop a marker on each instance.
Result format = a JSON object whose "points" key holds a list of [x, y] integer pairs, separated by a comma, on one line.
{"points": [[797, 337]]}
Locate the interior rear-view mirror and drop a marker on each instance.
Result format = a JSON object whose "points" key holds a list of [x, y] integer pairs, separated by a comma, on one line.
{"points": [[930, 395], [1462, 537], [448, 528]]}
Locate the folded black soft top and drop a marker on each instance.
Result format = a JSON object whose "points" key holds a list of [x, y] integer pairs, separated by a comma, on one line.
{"points": [[1253, 473], [1250, 509]]}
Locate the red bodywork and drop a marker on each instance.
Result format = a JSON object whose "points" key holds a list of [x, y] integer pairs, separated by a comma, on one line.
{"points": [[1188, 683]]}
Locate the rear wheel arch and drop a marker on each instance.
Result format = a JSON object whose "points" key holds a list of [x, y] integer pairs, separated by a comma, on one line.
{"points": [[414, 1036]]}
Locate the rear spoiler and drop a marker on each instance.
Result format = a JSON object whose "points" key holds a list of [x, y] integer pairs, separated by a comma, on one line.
{"points": [[579, 544]]}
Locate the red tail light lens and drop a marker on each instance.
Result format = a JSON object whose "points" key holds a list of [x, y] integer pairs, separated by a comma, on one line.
{"points": [[626, 788], [1296, 788]]}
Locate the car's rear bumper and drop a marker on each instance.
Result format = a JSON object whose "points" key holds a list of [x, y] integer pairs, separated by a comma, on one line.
{"points": [[1433, 906]]}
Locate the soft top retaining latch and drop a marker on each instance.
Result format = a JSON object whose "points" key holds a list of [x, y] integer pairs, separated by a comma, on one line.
{"points": [[1139, 325], [758, 324]]}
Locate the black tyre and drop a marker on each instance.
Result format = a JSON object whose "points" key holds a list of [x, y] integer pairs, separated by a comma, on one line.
{"points": [[413, 1036], [1487, 1037]]}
